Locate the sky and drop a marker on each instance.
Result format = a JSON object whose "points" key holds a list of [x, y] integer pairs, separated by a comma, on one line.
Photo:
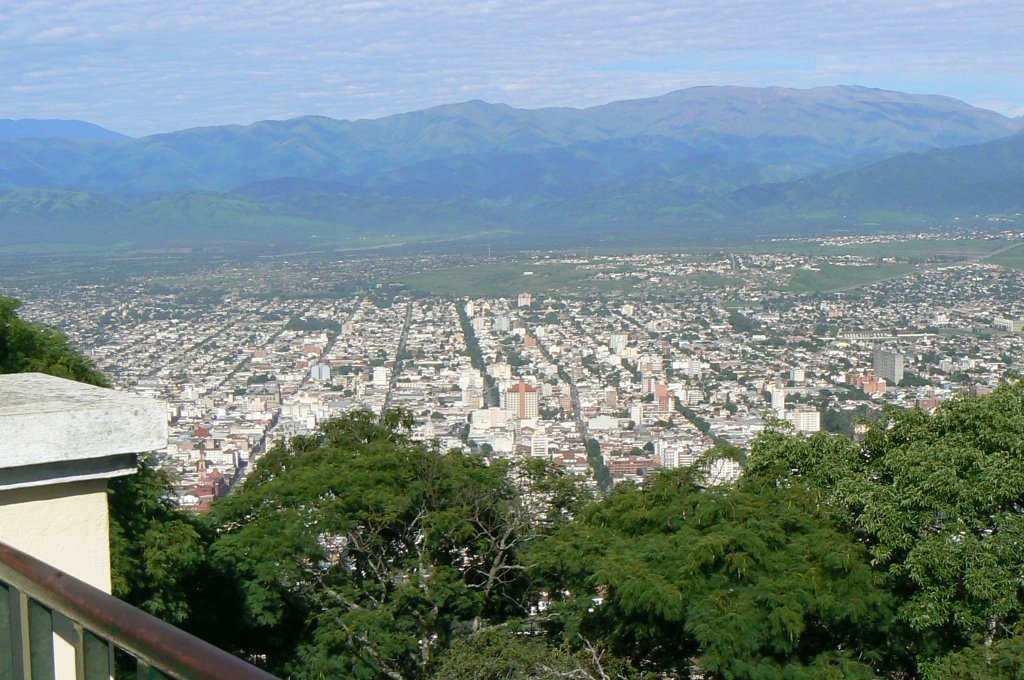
{"points": [[146, 66]]}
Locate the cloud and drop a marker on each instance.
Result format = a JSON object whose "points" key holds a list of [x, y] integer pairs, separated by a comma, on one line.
{"points": [[145, 65]]}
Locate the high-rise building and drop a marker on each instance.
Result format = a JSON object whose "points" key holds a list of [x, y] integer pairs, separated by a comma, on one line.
{"points": [[380, 376], [473, 397], [663, 398], [472, 384], [500, 371], [502, 323], [804, 420], [618, 342], [521, 400], [1008, 325], [321, 372], [539, 443], [779, 401], [650, 364], [888, 365]]}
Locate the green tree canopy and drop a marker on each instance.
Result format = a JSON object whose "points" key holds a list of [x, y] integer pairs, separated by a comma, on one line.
{"points": [[715, 582], [362, 554], [937, 500]]}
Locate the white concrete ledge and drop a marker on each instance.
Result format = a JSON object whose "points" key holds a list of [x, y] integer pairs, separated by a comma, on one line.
{"points": [[56, 430]]}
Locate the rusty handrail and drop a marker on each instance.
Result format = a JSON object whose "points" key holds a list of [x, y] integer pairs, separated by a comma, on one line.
{"points": [[161, 645]]}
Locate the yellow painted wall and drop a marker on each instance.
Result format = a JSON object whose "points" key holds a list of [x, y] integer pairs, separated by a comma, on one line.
{"points": [[65, 525]]}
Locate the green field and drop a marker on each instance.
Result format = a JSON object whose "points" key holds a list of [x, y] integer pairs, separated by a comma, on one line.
{"points": [[915, 249], [710, 280], [501, 279], [834, 278], [1013, 258]]}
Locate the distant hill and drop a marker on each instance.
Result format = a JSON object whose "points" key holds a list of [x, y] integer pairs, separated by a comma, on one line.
{"points": [[709, 160], [50, 129], [939, 184], [791, 133]]}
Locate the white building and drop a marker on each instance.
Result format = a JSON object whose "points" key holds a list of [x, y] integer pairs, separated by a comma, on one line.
{"points": [[804, 420], [539, 443], [779, 402]]}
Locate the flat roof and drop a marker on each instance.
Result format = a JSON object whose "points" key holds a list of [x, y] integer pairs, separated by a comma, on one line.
{"points": [[53, 430]]}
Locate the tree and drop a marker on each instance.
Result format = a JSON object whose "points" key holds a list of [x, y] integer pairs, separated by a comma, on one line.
{"points": [[519, 654], [937, 501], [30, 347], [362, 554], [716, 582], [158, 556]]}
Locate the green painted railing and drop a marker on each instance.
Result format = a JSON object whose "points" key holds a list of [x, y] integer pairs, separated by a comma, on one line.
{"points": [[55, 627]]}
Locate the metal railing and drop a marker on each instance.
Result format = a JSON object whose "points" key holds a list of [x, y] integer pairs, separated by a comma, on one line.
{"points": [[51, 622]]}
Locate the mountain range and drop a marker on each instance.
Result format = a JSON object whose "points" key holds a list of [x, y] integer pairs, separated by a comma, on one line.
{"points": [[709, 161]]}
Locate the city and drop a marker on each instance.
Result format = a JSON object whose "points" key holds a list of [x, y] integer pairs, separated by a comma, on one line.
{"points": [[655, 357]]}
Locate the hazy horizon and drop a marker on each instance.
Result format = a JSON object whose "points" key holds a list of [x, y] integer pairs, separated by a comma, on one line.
{"points": [[143, 67]]}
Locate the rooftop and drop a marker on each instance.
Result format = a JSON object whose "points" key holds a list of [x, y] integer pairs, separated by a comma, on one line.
{"points": [[58, 430]]}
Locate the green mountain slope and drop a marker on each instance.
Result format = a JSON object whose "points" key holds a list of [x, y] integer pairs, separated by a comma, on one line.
{"points": [[693, 164], [802, 131], [940, 184]]}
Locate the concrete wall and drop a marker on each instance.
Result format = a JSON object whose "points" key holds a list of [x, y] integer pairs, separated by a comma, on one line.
{"points": [[65, 525]]}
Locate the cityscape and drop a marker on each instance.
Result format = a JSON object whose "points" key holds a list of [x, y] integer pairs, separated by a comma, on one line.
{"points": [[655, 357], [512, 341]]}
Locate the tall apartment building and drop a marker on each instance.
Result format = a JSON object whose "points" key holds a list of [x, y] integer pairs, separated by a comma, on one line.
{"points": [[888, 365], [521, 399], [779, 401], [618, 342], [804, 420], [539, 443], [321, 372]]}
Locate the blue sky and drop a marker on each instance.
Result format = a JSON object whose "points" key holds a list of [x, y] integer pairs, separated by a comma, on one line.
{"points": [[144, 66]]}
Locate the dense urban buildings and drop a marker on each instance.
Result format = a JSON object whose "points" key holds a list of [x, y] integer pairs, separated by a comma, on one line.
{"points": [[653, 357]]}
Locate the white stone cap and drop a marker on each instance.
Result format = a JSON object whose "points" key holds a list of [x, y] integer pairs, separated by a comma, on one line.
{"points": [[54, 430]]}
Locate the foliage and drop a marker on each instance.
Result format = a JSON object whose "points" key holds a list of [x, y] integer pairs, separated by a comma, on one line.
{"points": [[509, 654], [29, 347], [742, 323], [937, 502], [356, 552], [312, 324], [157, 552], [362, 554], [602, 474], [721, 583], [913, 380]]}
